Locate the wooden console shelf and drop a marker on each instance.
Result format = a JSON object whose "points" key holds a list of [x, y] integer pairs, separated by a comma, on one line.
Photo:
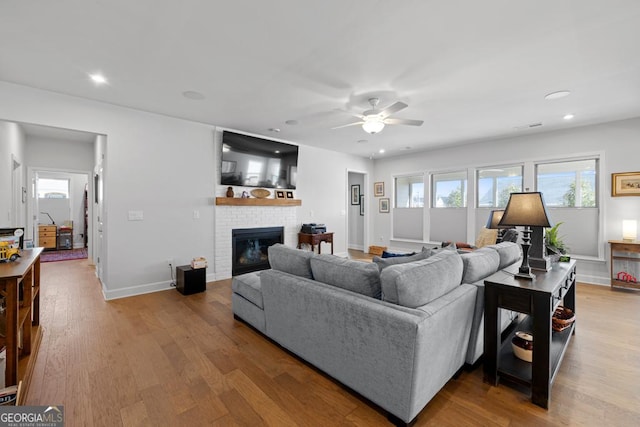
{"points": [[625, 264], [22, 316], [238, 201]]}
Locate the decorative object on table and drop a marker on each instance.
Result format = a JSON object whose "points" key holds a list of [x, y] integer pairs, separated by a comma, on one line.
{"points": [[230, 192], [289, 194], [629, 230], [245, 195], [260, 193], [625, 184], [528, 210], [562, 318], [355, 194], [383, 205], [623, 276], [522, 345], [378, 189], [553, 243], [279, 194], [362, 205], [199, 262]]}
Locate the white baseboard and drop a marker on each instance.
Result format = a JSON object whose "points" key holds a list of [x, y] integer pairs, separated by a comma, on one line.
{"points": [[135, 290]]}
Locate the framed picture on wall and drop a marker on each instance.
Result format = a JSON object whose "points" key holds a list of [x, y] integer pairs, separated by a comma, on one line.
{"points": [[625, 184], [280, 194], [362, 205], [289, 194], [383, 205], [355, 194], [378, 189]]}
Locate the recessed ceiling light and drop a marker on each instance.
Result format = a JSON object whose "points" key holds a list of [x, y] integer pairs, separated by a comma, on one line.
{"points": [[557, 95], [192, 94], [568, 117], [277, 151], [381, 151], [98, 79]]}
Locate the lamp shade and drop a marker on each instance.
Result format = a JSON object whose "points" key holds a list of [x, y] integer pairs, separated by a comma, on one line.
{"points": [[629, 229], [525, 209], [494, 218]]}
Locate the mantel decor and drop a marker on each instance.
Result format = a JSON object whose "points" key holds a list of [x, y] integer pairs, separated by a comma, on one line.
{"points": [[625, 184], [251, 201]]}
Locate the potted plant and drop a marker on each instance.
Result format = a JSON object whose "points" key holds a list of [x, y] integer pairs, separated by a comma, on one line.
{"points": [[553, 242]]}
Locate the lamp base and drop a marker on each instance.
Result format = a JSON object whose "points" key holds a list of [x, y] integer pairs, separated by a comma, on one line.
{"points": [[525, 276], [543, 264]]}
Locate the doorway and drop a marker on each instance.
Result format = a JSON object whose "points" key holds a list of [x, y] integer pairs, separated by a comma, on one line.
{"points": [[357, 211]]}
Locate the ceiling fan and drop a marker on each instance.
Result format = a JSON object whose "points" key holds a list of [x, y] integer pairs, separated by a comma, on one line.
{"points": [[374, 120]]}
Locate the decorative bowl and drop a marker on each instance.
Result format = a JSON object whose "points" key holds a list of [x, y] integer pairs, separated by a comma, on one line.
{"points": [[522, 345], [260, 193], [562, 318]]}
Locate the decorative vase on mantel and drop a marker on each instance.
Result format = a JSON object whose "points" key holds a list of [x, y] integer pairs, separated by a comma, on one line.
{"points": [[230, 192]]}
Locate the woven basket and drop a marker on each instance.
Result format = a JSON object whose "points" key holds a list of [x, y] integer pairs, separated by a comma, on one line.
{"points": [[562, 318]]}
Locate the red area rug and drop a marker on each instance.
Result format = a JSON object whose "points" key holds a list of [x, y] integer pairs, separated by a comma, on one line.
{"points": [[51, 256]]}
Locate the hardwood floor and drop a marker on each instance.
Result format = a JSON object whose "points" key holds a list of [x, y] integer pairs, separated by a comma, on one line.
{"points": [[165, 359]]}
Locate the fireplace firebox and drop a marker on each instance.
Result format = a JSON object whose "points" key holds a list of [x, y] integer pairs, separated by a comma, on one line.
{"points": [[249, 248]]}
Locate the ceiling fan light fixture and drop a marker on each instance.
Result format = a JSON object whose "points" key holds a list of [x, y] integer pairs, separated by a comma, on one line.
{"points": [[373, 125]]}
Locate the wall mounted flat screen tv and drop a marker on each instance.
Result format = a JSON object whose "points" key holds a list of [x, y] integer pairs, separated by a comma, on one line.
{"points": [[255, 162]]}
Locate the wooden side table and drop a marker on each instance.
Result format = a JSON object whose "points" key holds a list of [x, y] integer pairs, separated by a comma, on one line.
{"points": [[625, 264], [315, 239], [538, 298]]}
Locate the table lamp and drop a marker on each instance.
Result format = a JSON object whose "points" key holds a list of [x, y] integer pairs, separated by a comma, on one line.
{"points": [[492, 222], [629, 230], [528, 210]]}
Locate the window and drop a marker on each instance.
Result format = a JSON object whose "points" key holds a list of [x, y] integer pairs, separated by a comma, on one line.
{"points": [[49, 188], [496, 184], [450, 190], [409, 191], [570, 184]]}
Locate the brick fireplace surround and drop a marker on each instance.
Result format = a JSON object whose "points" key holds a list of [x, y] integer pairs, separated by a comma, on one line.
{"points": [[229, 217]]}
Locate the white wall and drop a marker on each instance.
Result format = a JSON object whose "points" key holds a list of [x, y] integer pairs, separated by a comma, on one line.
{"points": [[617, 140], [166, 168], [12, 142]]}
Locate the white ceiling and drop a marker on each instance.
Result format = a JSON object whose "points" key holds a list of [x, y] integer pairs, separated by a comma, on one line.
{"points": [[472, 70]]}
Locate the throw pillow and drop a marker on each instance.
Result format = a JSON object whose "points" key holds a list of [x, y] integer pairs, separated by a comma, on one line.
{"points": [[290, 260], [486, 237], [386, 254], [355, 276], [418, 283], [383, 263]]}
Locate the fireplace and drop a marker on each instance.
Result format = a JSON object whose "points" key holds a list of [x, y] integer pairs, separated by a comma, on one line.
{"points": [[249, 248]]}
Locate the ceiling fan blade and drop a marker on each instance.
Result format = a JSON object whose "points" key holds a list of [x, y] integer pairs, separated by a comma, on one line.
{"points": [[345, 126], [391, 121], [393, 108]]}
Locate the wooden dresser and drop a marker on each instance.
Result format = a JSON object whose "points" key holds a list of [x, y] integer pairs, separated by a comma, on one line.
{"points": [[47, 236]]}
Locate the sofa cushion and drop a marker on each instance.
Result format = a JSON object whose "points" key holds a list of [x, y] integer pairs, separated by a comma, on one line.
{"points": [[509, 253], [290, 260], [248, 286], [479, 264], [356, 276], [382, 263], [418, 283]]}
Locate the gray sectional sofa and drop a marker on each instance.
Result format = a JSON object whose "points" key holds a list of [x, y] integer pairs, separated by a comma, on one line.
{"points": [[393, 331]]}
